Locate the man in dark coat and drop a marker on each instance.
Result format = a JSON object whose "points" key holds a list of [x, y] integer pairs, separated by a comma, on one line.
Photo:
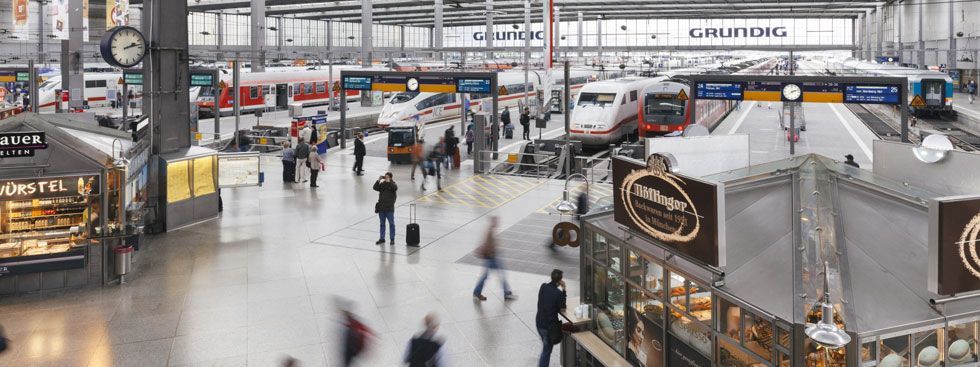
{"points": [[386, 188], [526, 124], [551, 300], [850, 161], [359, 152]]}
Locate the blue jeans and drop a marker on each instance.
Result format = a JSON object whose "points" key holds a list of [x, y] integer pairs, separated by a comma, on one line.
{"points": [[545, 358], [390, 217], [491, 264]]}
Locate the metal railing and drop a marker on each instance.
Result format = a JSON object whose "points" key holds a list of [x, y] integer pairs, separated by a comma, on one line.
{"points": [[519, 168]]}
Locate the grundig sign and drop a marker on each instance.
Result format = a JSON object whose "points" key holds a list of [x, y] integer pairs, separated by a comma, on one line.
{"points": [[954, 235], [678, 212], [738, 32]]}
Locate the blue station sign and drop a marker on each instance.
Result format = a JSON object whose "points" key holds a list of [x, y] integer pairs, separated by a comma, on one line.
{"points": [[357, 82], [723, 91], [473, 85], [872, 94]]}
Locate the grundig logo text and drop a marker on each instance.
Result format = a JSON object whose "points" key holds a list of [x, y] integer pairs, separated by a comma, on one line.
{"points": [[968, 246], [738, 32], [508, 36]]}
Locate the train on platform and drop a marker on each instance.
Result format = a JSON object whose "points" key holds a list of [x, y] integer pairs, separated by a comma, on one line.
{"points": [[406, 113], [934, 87], [97, 87], [664, 111], [605, 112]]}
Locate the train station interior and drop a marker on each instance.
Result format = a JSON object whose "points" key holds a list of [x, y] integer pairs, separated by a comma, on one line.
{"points": [[576, 183]]}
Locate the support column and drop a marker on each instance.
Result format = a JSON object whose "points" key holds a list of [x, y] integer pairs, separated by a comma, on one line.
{"points": [[401, 37], [527, 48], [867, 36], [219, 34], [922, 43], [899, 48], [40, 39], [547, 22], [258, 35], [437, 29], [165, 72], [951, 55], [367, 35], [557, 28], [598, 35], [280, 36], [489, 36], [854, 41], [880, 30], [76, 75], [581, 28]]}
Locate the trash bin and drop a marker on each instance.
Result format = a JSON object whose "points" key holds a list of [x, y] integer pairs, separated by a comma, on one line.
{"points": [[124, 259]]}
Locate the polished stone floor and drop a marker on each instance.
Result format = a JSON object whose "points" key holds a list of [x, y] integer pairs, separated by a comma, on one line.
{"points": [[261, 282]]}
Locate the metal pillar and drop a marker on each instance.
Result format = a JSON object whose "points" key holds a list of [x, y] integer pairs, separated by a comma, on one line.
{"points": [[258, 35], [899, 13], [581, 48], [236, 85], [76, 69], [951, 56], [40, 38], [922, 42], [437, 29], [549, 40], [219, 36], [556, 25], [343, 116], [598, 36], [489, 36], [32, 85], [167, 87], [401, 37], [527, 47], [367, 35], [792, 110], [880, 18], [280, 36], [854, 40]]}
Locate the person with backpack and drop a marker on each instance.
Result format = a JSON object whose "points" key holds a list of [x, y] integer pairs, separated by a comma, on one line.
{"points": [[552, 299], [356, 337], [425, 350]]}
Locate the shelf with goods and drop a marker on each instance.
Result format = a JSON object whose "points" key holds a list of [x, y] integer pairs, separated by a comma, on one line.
{"points": [[44, 226]]}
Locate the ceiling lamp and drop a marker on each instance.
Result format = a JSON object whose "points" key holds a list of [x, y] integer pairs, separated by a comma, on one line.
{"points": [[825, 332]]}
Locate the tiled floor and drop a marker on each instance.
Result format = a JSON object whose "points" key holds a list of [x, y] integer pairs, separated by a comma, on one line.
{"points": [[261, 283]]}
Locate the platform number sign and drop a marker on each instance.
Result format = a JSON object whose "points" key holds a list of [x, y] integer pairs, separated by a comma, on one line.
{"points": [[202, 80], [872, 94]]}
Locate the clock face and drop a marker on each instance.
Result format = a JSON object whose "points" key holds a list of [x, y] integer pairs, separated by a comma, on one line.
{"points": [[412, 84], [127, 47], [792, 92]]}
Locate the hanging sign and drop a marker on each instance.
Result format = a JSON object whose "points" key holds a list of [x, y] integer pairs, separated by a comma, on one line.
{"points": [[677, 212], [21, 144], [48, 187], [954, 235]]}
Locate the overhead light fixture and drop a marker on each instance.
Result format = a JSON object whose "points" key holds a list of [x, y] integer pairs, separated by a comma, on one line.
{"points": [[933, 148], [825, 332], [205, 33], [565, 206]]}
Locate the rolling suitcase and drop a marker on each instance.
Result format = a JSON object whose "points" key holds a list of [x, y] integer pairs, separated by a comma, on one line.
{"points": [[412, 229], [508, 131], [456, 158]]}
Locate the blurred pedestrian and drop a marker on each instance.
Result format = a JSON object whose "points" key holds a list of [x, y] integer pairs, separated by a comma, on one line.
{"points": [[4, 342], [470, 138], [418, 155], [431, 166], [302, 161], [849, 160], [971, 88], [386, 188], [449, 143], [290, 362], [316, 165], [424, 349], [359, 152], [357, 336], [288, 162], [552, 298], [488, 252]]}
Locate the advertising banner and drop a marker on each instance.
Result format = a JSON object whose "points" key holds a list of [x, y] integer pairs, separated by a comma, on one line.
{"points": [[48, 187], [117, 13], [678, 212], [60, 13], [954, 233], [20, 17]]}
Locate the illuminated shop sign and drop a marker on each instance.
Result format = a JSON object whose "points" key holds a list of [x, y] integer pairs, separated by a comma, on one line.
{"points": [[509, 35], [21, 144], [954, 233], [678, 212], [48, 187], [738, 32]]}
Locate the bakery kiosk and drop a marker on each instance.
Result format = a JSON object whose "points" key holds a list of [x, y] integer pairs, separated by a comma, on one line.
{"points": [[728, 269], [69, 194]]}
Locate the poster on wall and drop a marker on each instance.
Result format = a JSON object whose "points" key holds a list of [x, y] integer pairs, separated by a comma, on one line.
{"points": [[117, 13], [20, 17], [646, 340], [678, 212], [60, 12], [954, 233]]}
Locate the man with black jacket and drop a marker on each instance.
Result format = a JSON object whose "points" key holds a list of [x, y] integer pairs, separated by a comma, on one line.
{"points": [[359, 152], [425, 350], [386, 188], [526, 124], [302, 157], [551, 301]]}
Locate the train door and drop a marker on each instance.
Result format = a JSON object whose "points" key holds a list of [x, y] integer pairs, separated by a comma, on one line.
{"points": [[282, 96], [933, 90]]}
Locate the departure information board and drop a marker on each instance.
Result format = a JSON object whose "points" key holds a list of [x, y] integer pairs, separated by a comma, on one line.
{"points": [[872, 94], [471, 85], [723, 91], [202, 79], [357, 82]]}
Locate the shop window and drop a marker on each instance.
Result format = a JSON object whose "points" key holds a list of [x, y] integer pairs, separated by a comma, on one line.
{"points": [[690, 332], [895, 348], [609, 309], [700, 302], [731, 356], [615, 257], [645, 273], [926, 348], [730, 322], [758, 335], [645, 340], [599, 249], [647, 305], [869, 354], [784, 339], [784, 360], [816, 356], [961, 346], [678, 291]]}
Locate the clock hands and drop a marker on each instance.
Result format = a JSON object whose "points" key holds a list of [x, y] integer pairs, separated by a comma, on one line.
{"points": [[131, 46]]}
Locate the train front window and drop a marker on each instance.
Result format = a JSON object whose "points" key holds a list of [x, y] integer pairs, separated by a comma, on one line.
{"points": [[206, 92], [596, 99], [403, 97], [50, 83], [663, 106]]}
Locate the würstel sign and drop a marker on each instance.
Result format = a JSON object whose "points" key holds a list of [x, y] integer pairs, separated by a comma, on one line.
{"points": [[678, 212]]}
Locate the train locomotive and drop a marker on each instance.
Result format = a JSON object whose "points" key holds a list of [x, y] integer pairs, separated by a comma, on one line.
{"points": [[934, 87]]}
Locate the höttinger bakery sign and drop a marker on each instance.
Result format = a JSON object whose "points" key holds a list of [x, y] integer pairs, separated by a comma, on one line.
{"points": [[679, 212], [954, 235]]}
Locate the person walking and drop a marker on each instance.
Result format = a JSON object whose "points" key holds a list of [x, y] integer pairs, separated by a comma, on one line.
{"points": [[425, 349], [488, 252], [356, 337], [288, 163], [526, 124], [359, 152], [505, 117], [418, 155], [449, 143], [552, 297], [386, 188], [118, 102], [470, 138], [971, 89], [431, 167], [316, 165], [849, 160], [302, 161]]}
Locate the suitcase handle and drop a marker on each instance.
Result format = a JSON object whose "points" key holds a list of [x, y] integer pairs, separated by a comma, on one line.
{"points": [[412, 213]]}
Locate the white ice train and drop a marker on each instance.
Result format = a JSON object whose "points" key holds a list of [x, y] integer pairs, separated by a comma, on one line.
{"points": [[606, 111], [97, 90]]}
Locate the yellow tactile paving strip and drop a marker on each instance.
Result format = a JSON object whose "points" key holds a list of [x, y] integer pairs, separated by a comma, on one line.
{"points": [[483, 191]]}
